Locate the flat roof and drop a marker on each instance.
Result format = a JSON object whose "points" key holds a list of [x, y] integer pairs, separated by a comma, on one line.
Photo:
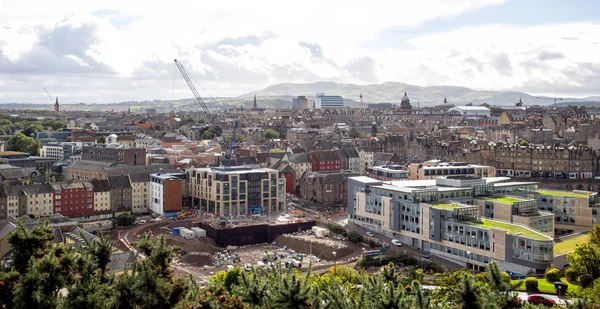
{"points": [[506, 199], [448, 206], [511, 228], [236, 170], [564, 193]]}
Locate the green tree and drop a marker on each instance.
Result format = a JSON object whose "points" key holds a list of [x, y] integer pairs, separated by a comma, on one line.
{"points": [[208, 134], [101, 139], [23, 143], [524, 143], [571, 274], [33, 128], [271, 134], [124, 219], [595, 235], [586, 258]]}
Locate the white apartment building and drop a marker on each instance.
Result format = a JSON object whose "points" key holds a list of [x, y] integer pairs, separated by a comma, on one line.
{"points": [[52, 151]]}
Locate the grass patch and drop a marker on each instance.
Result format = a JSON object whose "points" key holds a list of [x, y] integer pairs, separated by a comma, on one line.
{"points": [[547, 287], [569, 245], [563, 193], [514, 229], [505, 200], [446, 206]]}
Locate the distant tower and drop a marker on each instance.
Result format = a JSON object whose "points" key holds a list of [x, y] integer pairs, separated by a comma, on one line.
{"points": [[405, 104], [361, 101], [374, 128], [520, 103], [254, 105], [56, 106], [445, 101], [129, 110]]}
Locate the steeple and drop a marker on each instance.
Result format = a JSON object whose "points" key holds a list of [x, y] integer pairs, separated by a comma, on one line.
{"points": [[56, 106], [445, 101], [520, 102], [254, 105]]}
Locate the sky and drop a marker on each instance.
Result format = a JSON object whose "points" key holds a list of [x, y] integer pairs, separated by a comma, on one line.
{"points": [[113, 51]]}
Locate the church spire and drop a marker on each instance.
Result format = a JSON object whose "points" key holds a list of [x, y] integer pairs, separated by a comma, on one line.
{"points": [[520, 102], [254, 105], [56, 106], [445, 101]]}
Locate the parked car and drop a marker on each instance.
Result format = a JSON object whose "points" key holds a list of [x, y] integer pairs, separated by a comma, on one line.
{"points": [[396, 242], [515, 276], [370, 234], [539, 299], [247, 267], [230, 267]]}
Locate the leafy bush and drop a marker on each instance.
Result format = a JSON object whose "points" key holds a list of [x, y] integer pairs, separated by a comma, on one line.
{"points": [[571, 274], [553, 275], [355, 237], [337, 229], [124, 219], [586, 280], [531, 284], [505, 277]]}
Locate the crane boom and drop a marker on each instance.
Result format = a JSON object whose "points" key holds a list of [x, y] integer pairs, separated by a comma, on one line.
{"points": [[209, 116], [212, 119], [49, 97]]}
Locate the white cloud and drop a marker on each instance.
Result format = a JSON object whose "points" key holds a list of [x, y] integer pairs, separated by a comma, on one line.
{"points": [[125, 49]]}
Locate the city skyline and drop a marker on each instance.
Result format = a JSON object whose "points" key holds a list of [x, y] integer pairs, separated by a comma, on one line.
{"points": [[85, 52]]}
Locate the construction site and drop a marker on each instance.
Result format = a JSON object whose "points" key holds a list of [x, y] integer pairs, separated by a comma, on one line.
{"points": [[206, 248]]}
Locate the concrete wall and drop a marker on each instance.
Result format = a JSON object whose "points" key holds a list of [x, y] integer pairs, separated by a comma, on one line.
{"points": [[254, 234]]}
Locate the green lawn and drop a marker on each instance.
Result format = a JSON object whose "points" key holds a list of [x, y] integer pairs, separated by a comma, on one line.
{"points": [[506, 200], [563, 193], [567, 246], [446, 206], [514, 229], [547, 287]]}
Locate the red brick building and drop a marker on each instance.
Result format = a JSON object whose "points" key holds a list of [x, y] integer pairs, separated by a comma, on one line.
{"points": [[325, 161], [73, 199]]}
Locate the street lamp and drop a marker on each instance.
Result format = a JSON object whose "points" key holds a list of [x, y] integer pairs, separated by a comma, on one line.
{"points": [[334, 261], [469, 253]]}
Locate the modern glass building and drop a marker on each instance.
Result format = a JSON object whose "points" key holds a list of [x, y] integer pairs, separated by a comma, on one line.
{"points": [[328, 101], [450, 218]]}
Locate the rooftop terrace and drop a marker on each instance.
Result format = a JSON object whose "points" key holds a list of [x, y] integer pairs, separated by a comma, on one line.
{"points": [[447, 206], [569, 245], [505, 200], [563, 193], [511, 228]]}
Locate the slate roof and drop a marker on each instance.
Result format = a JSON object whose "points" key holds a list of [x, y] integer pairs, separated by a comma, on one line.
{"points": [[37, 189], [324, 156], [119, 182], [135, 178], [139, 169], [120, 261], [299, 158], [91, 165], [101, 185], [329, 177]]}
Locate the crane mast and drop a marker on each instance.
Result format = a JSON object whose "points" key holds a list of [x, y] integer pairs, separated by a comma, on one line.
{"points": [[212, 119]]}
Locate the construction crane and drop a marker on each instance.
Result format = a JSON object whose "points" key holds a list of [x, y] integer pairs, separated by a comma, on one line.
{"points": [[212, 119]]}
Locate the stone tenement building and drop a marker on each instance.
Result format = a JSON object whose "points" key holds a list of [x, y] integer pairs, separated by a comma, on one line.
{"points": [[540, 161]]}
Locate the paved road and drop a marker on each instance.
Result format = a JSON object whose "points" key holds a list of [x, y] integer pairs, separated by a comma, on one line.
{"points": [[522, 295], [406, 248]]}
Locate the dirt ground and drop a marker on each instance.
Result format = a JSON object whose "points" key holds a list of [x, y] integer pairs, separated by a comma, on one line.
{"points": [[202, 257]]}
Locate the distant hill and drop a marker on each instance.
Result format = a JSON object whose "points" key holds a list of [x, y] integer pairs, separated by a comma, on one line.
{"points": [[393, 91]]}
